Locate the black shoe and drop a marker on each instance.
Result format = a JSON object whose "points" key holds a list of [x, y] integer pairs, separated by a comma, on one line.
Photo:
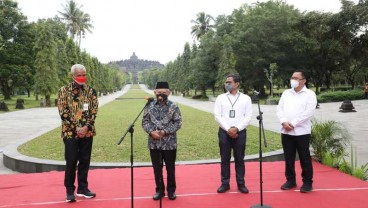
{"points": [[306, 188], [86, 194], [158, 195], [172, 196], [70, 198], [223, 188], [288, 185], [243, 189]]}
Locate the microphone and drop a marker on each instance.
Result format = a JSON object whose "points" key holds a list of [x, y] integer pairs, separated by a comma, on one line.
{"points": [[256, 92], [149, 99]]}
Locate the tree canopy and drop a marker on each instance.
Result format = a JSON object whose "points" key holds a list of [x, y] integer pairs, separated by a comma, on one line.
{"points": [[255, 40]]}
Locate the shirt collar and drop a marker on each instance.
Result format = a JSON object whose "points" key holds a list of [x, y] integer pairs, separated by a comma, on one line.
{"points": [[77, 86], [228, 93]]}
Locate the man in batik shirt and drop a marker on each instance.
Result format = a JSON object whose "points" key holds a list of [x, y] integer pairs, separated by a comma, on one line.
{"points": [[161, 120], [77, 105]]}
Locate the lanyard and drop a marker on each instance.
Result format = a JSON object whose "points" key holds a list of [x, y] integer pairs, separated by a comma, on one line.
{"points": [[232, 104]]}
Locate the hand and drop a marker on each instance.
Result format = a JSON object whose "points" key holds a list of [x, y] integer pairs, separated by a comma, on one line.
{"points": [[287, 126], [233, 132], [162, 133], [81, 132], [233, 136], [155, 135]]}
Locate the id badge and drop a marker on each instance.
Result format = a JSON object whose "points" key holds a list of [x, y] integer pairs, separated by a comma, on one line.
{"points": [[85, 106], [232, 113]]}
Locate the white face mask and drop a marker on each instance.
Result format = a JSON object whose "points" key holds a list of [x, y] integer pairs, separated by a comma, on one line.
{"points": [[294, 84]]}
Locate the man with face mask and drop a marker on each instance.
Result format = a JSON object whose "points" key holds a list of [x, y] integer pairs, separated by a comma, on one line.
{"points": [[78, 106], [295, 110], [233, 112], [161, 120]]}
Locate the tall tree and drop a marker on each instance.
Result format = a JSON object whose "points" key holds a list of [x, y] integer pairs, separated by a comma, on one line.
{"points": [[201, 25], [45, 64], [61, 37], [259, 37], [318, 47], [206, 64], [16, 56], [77, 22], [351, 25], [85, 25], [226, 66], [270, 72]]}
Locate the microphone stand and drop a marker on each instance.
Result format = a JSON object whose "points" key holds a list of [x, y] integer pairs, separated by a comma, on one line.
{"points": [[131, 131], [261, 130], [161, 176]]}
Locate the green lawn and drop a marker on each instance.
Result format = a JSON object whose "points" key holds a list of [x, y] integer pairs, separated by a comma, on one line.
{"points": [[197, 139], [29, 102]]}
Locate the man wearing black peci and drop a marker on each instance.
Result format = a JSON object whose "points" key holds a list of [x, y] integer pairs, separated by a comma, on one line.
{"points": [[161, 120]]}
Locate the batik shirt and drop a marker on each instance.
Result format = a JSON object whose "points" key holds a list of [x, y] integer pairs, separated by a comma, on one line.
{"points": [[165, 117], [78, 106]]}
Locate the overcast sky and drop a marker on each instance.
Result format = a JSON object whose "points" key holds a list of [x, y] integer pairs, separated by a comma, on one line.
{"points": [[153, 29]]}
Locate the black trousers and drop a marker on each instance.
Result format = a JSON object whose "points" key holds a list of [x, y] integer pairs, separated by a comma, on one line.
{"points": [[291, 145], [169, 157], [77, 152], [226, 143]]}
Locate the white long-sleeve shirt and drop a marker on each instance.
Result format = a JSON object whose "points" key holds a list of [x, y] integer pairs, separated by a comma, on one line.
{"points": [[242, 106], [298, 109]]}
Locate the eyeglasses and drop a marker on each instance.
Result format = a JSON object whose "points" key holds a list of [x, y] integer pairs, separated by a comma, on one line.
{"points": [[296, 78]]}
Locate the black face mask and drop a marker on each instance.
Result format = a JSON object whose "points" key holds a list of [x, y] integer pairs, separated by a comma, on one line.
{"points": [[163, 97]]}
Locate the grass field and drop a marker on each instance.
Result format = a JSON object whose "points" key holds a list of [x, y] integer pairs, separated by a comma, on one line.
{"points": [[197, 139], [29, 102]]}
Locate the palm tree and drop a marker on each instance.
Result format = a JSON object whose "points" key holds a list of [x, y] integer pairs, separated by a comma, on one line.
{"points": [[202, 25], [77, 22], [84, 25], [70, 16]]}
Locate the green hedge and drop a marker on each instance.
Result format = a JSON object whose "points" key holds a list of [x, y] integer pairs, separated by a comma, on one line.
{"points": [[325, 97], [337, 96]]}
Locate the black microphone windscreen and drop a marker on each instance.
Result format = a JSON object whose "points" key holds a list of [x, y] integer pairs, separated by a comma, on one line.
{"points": [[150, 99]]}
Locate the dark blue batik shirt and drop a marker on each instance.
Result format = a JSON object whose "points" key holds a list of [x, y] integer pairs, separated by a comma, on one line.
{"points": [[165, 117]]}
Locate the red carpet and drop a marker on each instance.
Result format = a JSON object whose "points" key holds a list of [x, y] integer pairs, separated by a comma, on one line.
{"points": [[196, 188]]}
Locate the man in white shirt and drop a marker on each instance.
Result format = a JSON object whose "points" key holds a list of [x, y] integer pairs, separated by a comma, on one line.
{"points": [[233, 111], [295, 110]]}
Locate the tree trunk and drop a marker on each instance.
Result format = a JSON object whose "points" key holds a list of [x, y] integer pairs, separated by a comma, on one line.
{"points": [[6, 90], [48, 101], [203, 91], [317, 89]]}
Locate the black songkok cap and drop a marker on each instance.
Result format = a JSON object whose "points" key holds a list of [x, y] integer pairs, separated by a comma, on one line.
{"points": [[162, 85]]}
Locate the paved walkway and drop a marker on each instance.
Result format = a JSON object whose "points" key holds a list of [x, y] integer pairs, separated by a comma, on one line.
{"points": [[21, 126]]}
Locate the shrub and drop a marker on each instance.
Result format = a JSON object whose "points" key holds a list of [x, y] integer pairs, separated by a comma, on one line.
{"points": [[330, 160], [352, 168], [196, 96], [337, 96], [329, 137], [272, 100]]}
